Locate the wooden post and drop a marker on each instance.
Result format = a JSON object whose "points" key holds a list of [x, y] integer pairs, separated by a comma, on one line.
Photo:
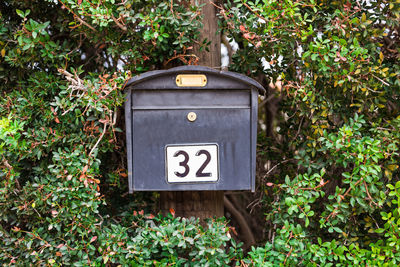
{"points": [[200, 204], [212, 58]]}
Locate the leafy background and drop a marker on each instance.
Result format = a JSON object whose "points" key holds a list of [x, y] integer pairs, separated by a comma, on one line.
{"points": [[328, 179]]}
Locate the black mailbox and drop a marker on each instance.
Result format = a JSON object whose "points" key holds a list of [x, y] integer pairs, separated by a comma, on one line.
{"points": [[191, 128]]}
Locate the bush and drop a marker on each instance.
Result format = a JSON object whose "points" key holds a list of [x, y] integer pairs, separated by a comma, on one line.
{"points": [[169, 241], [331, 68]]}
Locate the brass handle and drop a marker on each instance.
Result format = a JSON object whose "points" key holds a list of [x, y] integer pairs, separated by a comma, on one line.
{"points": [[191, 80]]}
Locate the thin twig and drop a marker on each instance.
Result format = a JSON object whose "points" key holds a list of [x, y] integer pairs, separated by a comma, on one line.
{"points": [[313, 188], [182, 58], [379, 79], [98, 141], [255, 13], [122, 27], [342, 197], [85, 23], [270, 170], [288, 255], [172, 8], [369, 196], [78, 18], [265, 101], [376, 223], [298, 130], [5, 162]]}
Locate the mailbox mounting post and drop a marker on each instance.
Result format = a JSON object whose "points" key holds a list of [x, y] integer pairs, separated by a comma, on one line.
{"points": [[191, 132], [191, 136]]}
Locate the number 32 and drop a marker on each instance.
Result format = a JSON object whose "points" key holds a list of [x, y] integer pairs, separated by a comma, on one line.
{"points": [[184, 163]]}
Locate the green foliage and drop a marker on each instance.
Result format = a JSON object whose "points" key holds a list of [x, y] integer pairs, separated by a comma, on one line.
{"points": [[170, 241], [332, 198], [61, 146], [334, 66]]}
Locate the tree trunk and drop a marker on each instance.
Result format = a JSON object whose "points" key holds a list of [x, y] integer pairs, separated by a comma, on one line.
{"points": [[200, 204]]}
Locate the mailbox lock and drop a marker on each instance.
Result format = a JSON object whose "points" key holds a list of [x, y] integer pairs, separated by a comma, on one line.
{"points": [[191, 116]]}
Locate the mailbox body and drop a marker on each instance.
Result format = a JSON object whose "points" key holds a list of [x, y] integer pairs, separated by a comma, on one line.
{"points": [[216, 150]]}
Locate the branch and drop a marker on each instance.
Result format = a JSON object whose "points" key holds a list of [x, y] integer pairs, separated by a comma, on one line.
{"points": [[225, 41], [270, 170], [341, 198], [85, 23], [248, 235], [255, 13], [98, 141], [288, 255], [291, 249], [314, 188], [78, 18], [379, 79], [298, 130], [182, 58], [122, 27], [369, 196], [265, 101], [5, 162]]}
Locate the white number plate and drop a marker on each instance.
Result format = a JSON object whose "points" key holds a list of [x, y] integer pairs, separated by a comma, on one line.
{"points": [[192, 163]]}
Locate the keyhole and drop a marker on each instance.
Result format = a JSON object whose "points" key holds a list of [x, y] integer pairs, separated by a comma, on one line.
{"points": [[191, 116]]}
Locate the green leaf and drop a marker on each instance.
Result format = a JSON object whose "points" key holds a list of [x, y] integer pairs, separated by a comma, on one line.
{"points": [[20, 13], [314, 57]]}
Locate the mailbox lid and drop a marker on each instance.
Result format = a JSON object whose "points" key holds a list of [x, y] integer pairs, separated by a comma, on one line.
{"points": [[166, 79]]}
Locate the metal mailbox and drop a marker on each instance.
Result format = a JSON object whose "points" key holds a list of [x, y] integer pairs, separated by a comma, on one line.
{"points": [[191, 128]]}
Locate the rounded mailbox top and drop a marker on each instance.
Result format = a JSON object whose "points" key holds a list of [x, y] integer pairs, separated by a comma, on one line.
{"points": [[192, 77]]}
